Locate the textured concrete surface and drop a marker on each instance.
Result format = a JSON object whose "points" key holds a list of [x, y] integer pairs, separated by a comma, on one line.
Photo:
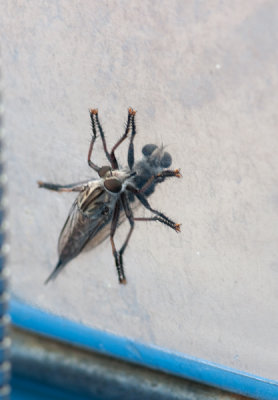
{"points": [[203, 78]]}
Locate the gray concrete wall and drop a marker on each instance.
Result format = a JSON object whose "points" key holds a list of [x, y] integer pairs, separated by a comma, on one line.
{"points": [[203, 79]]}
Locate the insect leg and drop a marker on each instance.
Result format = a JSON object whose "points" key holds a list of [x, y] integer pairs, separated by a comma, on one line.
{"points": [[163, 221], [160, 177], [114, 224], [146, 204], [130, 217], [94, 136], [74, 187], [130, 157], [95, 113], [114, 162]]}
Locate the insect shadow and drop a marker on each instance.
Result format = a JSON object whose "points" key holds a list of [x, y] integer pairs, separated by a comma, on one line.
{"points": [[102, 204]]}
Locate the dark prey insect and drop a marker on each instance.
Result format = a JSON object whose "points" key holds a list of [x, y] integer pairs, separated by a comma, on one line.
{"points": [[102, 204]]}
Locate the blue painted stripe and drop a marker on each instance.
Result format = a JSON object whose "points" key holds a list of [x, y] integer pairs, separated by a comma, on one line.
{"points": [[175, 363]]}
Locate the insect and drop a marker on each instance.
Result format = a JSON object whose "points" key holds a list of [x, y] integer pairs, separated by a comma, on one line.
{"points": [[103, 203]]}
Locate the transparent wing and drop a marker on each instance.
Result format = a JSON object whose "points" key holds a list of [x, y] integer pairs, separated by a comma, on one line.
{"points": [[90, 212], [104, 232]]}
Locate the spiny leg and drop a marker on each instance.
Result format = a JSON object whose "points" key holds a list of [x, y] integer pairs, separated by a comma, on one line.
{"points": [[161, 176], [73, 187], [114, 224], [146, 204], [114, 162], [130, 157], [95, 111], [129, 215], [176, 227], [94, 136]]}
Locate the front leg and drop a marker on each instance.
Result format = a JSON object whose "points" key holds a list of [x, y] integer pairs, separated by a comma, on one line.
{"points": [[168, 173], [73, 187]]}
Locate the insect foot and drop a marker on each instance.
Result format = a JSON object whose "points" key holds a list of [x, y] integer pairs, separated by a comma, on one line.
{"points": [[177, 227], [94, 111], [178, 173], [131, 111]]}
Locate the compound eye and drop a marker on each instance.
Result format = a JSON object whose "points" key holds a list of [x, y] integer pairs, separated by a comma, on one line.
{"points": [[103, 171], [113, 185], [166, 160], [148, 149]]}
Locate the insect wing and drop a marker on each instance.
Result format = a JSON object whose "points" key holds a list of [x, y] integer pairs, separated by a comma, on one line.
{"points": [[90, 212]]}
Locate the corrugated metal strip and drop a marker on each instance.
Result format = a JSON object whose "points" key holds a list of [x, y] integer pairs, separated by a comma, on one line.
{"points": [[5, 342]]}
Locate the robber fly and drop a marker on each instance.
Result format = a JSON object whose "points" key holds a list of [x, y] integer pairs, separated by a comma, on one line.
{"points": [[102, 204]]}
